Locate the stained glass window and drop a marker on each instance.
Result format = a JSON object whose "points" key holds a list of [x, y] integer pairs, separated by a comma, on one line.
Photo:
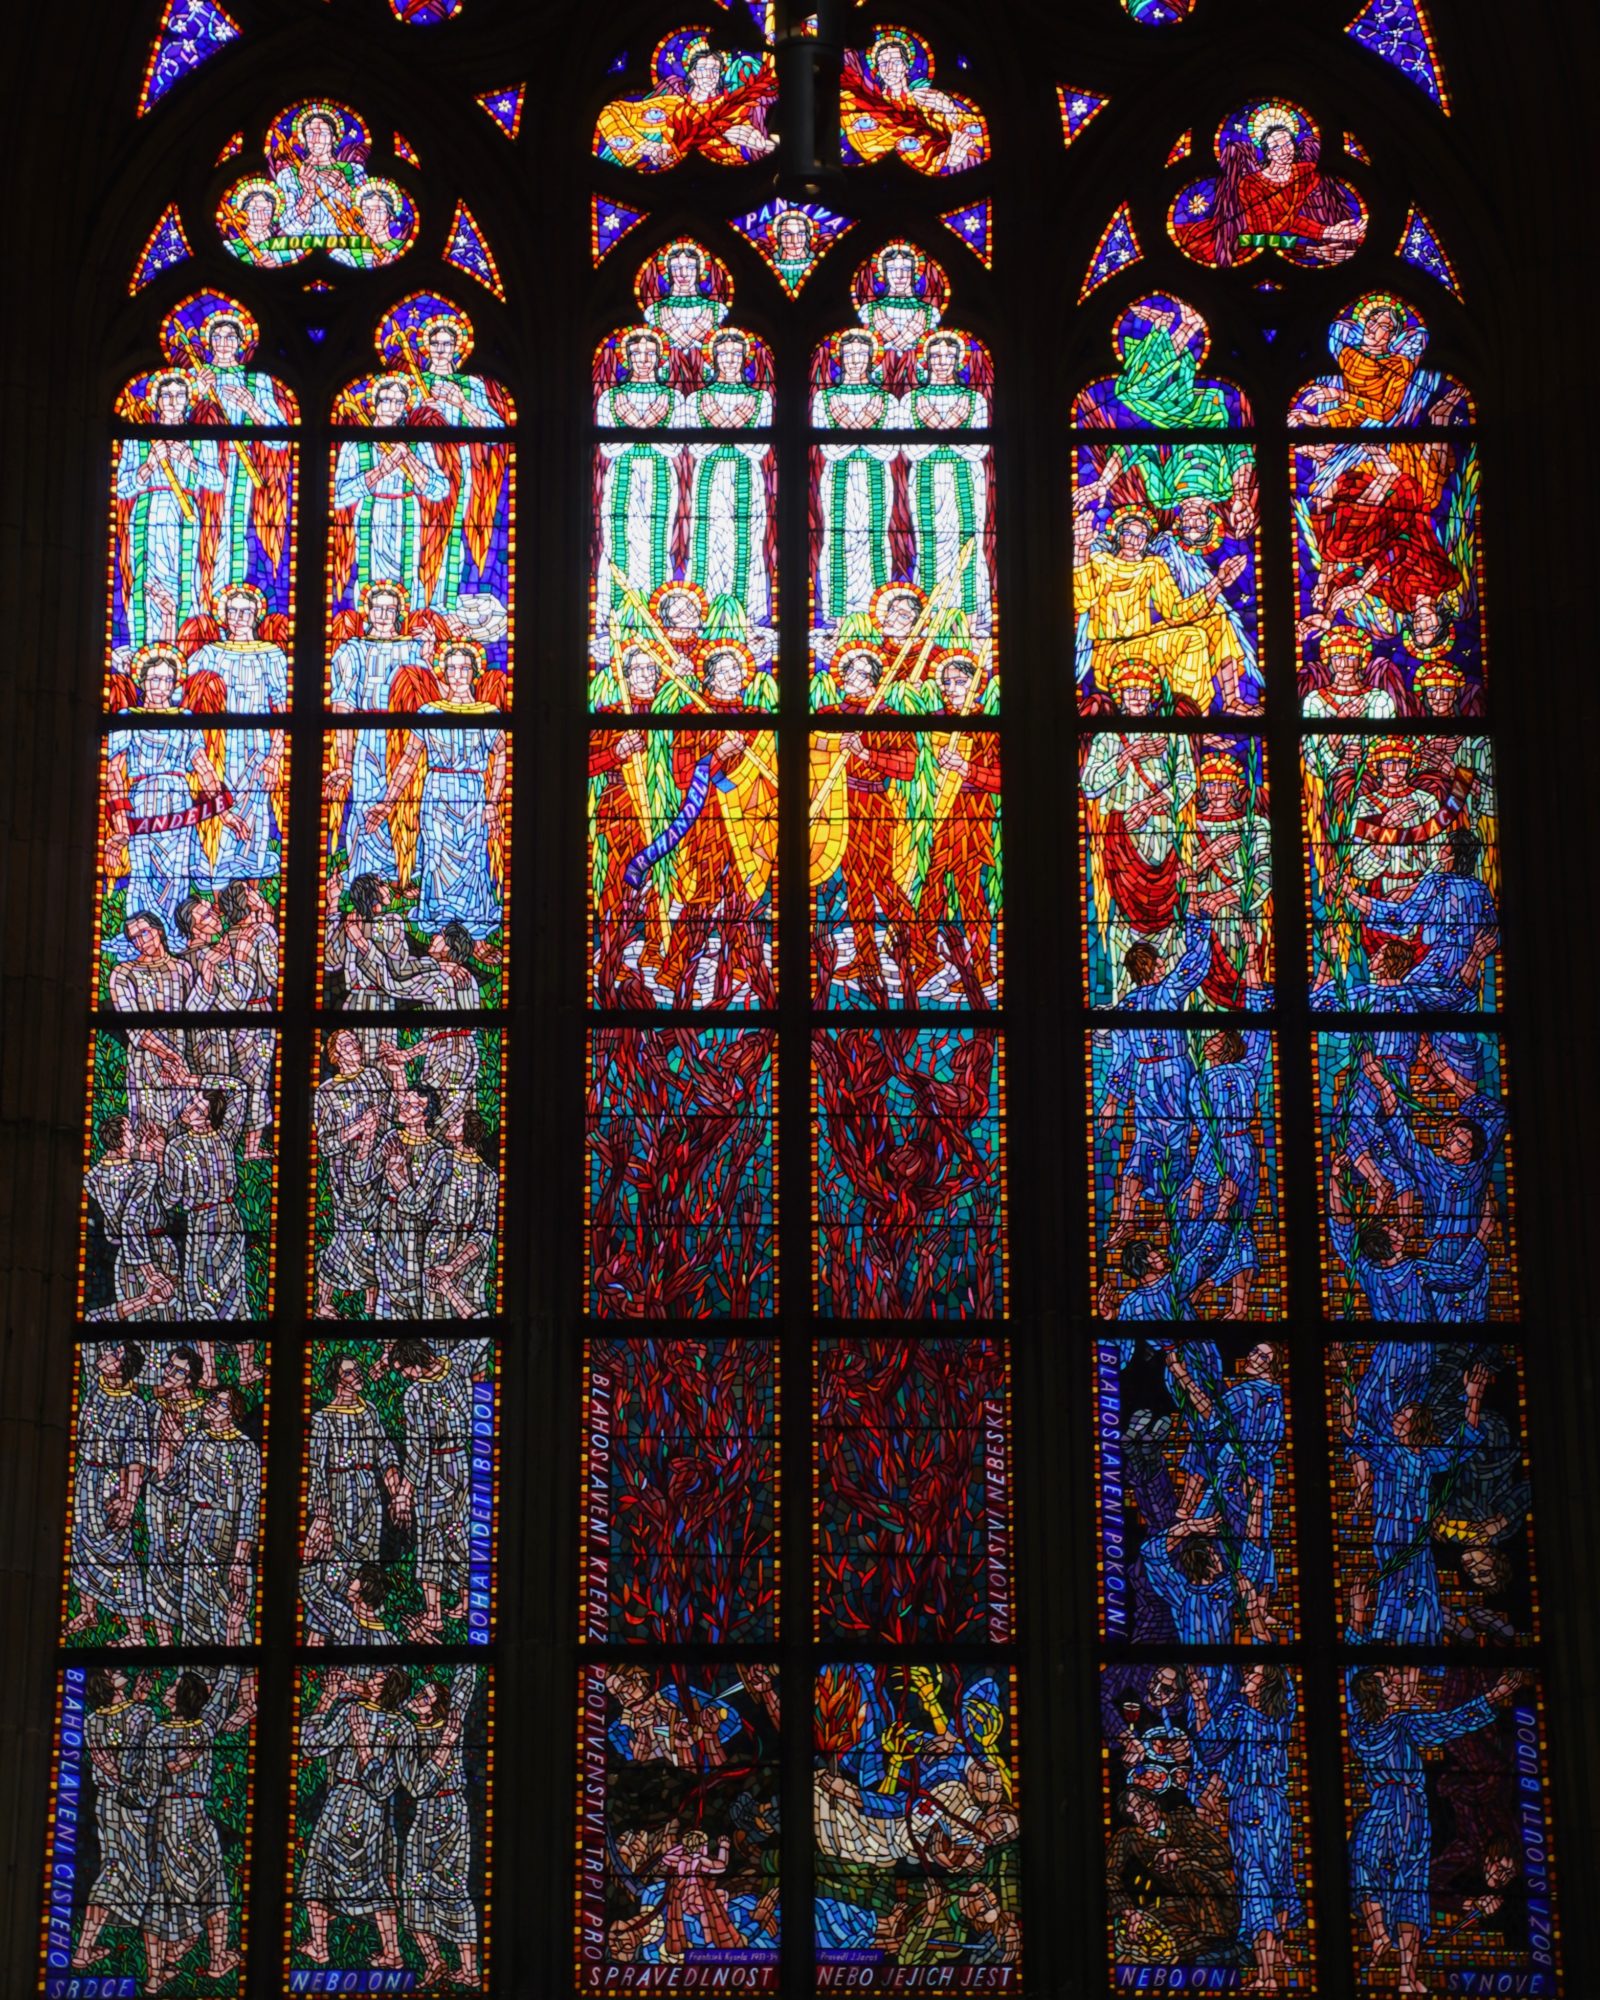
{"points": [[167, 1485], [1197, 1541], [915, 1781], [1450, 1855], [201, 1136], [361, 1898], [148, 1862], [1195, 726], [1207, 1819], [783, 491], [756, 694]]}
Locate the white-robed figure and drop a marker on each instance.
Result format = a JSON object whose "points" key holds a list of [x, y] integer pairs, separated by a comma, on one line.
{"points": [[457, 398], [257, 492], [353, 1469], [180, 1401], [115, 1451], [460, 828], [415, 1168], [319, 189], [165, 488], [636, 523], [362, 678], [218, 1474], [436, 1866], [437, 1414], [160, 787], [243, 395], [459, 1247], [854, 483], [114, 1733], [1138, 791], [255, 678], [351, 1868], [728, 526], [381, 493], [353, 1111], [194, 1892], [200, 1176], [124, 1185], [948, 491]]}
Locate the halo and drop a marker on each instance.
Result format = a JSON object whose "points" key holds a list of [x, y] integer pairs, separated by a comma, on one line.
{"points": [[673, 588], [850, 646], [161, 378], [885, 591], [219, 600], [381, 586], [1438, 672], [196, 314], [1217, 768], [932, 337], [1132, 671], [912, 46], [405, 327], [654, 280], [1372, 302], [236, 319], [241, 191], [836, 349], [900, 246], [393, 375], [1387, 749], [1345, 639], [746, 659], [800, 214], [394, 194], [1134, 512], [1277, 111], [471, 647], [146, 657], [321, 107], [1213, 538]]}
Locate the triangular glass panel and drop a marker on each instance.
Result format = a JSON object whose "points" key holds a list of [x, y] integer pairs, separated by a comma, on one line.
{"points": [[790, 237], [505, 107], [609, 222], [1420, 247], [467, 250], [1399, 31], [975, 227], [191, 33], [1117, 249], [1078, 109], [166, 245]]}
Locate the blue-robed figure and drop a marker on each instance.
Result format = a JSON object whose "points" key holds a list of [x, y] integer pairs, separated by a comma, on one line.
{"points": [[1454, 1182], [1162, 1287], [1231, 1468], [1451, 914], [1245, 1740], [1185, 1568], [1391, 1848], [1151, 1069], [1223, 1100], [1404, 1460]]}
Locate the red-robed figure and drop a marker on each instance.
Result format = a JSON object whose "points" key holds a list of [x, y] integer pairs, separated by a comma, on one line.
{"points": [[1272, 194], [1374, 515], [701, 102]]}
